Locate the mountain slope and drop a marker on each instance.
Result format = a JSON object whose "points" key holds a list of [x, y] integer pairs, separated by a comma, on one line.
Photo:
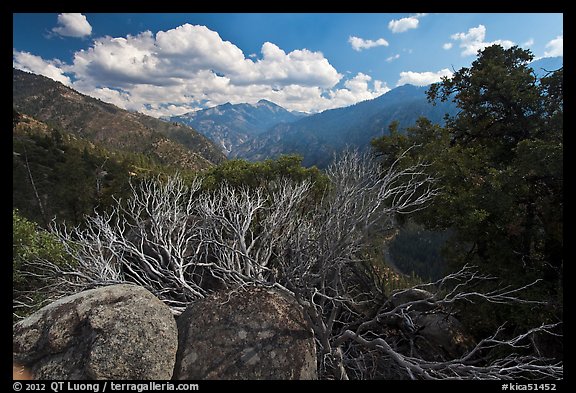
{"points": [[319, 136], [544, 65], [70, 111], [230, 125], [61, 175]]}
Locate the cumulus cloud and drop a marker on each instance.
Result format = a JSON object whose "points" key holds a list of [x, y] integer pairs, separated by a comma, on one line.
{"points": [[117, 97], [473, 40], [392, 58], [422, 78], [72, 25], [31, 63], [199, 48], [528, 43], [182, 53], [358, 43], [405, 24], [300, 66], [555, 47], [182, 69], [447, 46], [356, 89], [402, 25]]}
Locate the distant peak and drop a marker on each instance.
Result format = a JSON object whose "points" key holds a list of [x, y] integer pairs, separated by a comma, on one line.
{"points": [[409, 86], [266, 102]]}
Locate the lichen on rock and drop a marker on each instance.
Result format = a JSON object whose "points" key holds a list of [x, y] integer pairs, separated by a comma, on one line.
{"points": [[114, 332], [245, 334]]}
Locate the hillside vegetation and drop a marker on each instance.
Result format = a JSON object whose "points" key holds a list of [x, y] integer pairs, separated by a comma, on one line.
{"points": [[109, 126], [60, 175], [474, 205], [499, 162]]}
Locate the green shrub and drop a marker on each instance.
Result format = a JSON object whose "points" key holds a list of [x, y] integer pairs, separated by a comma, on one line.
{"points": [[31, 244]]}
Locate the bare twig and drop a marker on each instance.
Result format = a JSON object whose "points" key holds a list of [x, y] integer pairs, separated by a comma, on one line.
{"points": [[181, 244]]}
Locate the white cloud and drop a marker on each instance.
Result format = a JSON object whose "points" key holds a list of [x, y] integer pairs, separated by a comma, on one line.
{"points": [[473, 41], [528, 43], [182, 69], [356, 89], [380, 88], [392, 58], [447, 46], [31, 63], [555, 47], [404, 24], [180, 53], [72, 25], [359, 84], [116, 97], [300, 66], [198, 47], [422, 78], [358, 43]]}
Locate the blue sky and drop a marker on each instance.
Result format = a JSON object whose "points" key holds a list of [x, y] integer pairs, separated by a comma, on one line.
{"points": [[168, 64]]}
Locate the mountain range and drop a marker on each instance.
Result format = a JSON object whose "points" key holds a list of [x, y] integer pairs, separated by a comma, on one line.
{"points": [[230, 125], [266, 130], [254, 132], [544, 65], [113, 128], [319, 136]]}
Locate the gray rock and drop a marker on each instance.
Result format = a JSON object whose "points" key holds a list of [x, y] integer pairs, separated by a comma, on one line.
{"points": [[441, 336], [114, 332], [245, 334], [410, 295]]}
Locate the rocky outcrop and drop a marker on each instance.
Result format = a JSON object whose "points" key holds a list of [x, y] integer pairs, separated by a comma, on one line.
{"points": [[413, 295], [441, 336], [435, 334], [114, 332], [245, 334], [125, 332]]}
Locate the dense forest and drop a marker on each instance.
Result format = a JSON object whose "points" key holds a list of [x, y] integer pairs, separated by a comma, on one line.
{"points": [[499, 162], [470, 211]]}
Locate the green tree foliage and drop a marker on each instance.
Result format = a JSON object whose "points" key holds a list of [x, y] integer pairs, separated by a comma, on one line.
{"points": [[109, 126], [417, 251], [263, 174], [62, 176], [53, 178], [499, 161], [30, 244]]}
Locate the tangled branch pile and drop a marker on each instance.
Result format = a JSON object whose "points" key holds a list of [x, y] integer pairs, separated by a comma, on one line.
{"points": [[182, 243]]}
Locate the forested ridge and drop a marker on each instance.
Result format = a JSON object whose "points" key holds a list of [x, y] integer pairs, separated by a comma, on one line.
{"points": [[109, 126], [471, 212]]}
